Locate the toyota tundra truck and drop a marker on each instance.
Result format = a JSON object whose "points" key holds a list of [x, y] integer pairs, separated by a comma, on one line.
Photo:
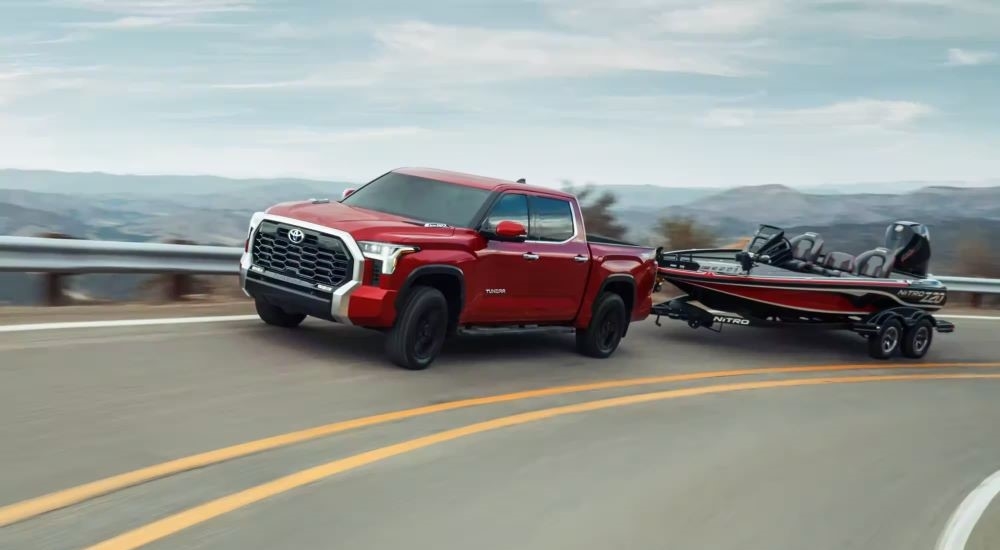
{"points": [[422, 254]]}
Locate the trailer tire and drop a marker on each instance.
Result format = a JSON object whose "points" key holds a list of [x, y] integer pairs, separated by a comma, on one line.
{"points": [[886, 342], [917, 339], [419, 332], [606, 328], [274, 315]]}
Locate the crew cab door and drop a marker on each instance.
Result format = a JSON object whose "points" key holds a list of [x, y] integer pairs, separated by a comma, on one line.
{"points": [[505, 290], [562, 257]]}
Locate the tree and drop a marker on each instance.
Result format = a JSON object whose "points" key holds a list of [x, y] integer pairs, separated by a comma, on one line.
{"points": [[684, 233], [975, 260], [596, 210]]}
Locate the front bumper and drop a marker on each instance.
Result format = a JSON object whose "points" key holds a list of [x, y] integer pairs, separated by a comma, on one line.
{"points": [[296, 295]]}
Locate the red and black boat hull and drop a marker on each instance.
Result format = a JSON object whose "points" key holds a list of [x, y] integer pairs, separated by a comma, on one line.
{"points": [[825, 297]]}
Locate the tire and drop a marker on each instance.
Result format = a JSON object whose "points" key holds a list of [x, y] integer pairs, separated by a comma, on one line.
{"points": [[917, 339], [274, 315], [416, 338], [885, 343], [604, 332]]}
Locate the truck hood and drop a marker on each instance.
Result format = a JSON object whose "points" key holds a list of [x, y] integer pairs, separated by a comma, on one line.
{"points": [[361, 223]]}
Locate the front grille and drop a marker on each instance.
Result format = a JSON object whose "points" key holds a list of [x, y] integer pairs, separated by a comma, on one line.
{"points": [[319, 259]]}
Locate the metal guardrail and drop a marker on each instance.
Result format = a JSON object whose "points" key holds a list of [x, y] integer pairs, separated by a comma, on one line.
{"points": [[60, 256], [53, 255], [972, 285]]}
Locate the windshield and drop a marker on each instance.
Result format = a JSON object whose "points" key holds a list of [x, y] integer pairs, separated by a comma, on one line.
{"points": [[420, 199]]}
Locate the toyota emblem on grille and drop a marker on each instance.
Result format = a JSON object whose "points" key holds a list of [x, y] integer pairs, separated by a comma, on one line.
{"points": [[296, 236]]}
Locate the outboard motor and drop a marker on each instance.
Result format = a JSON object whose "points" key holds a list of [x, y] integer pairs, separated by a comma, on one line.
{"points": [[910, 245]]}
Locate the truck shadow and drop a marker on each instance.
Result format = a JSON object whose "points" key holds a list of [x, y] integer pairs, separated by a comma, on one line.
{"points": [[344, 345]]}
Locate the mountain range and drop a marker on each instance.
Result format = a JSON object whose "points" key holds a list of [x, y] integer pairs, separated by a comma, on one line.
{"points": [[215, 210]]}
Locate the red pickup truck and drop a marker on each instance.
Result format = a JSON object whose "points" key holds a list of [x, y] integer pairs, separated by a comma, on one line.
{"points": [[423, 253]]}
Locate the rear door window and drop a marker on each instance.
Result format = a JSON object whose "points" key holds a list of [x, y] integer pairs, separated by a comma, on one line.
{"points": [[551, 220]]}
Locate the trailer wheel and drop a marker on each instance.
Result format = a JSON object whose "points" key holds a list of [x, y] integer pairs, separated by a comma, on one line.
{"points": [[274, 315], [917, 339], [420, 329], [885, 343], [604, 332]]}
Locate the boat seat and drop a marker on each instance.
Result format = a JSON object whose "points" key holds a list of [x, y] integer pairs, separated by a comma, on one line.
{"points": [[841, 261], [806, 247], [873, 263], [805, 250]]}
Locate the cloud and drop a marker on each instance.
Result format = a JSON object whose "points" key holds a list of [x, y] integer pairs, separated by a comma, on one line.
{"points": [[420, 54], [654, 17], [286, 30], [958, 56], [856, 114], [17, 81], [130, 22], [308, 136], [146, 14], [162, 8], [62, 39], [492, 53], [777, 19]]}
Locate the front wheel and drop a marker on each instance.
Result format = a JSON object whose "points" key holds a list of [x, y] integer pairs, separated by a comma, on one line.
{"points": [[604, 332], [420, 329], [917, 339], [884, 343]]}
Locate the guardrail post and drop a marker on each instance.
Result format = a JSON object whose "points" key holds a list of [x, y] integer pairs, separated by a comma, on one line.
{"points": [[54, 284], [976, 300], [179, 285]]}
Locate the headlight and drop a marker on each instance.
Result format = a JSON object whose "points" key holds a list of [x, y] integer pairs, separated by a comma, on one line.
{"points": [[387, 253]]}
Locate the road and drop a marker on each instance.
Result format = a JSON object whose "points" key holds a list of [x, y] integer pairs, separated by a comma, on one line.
{"points": [[704, 443]]}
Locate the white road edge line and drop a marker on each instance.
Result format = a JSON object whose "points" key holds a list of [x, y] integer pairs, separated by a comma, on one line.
{"points": [[127, 323], [979, 317], [963, 521]]}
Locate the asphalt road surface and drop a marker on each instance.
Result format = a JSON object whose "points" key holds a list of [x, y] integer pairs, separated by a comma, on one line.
{"points": [[749, 439]]}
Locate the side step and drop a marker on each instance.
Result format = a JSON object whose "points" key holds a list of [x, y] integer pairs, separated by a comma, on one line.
{"points": [[515, 329]]}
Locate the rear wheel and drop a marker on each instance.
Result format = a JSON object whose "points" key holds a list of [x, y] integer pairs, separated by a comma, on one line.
{"points": [[604, 333], [420, 329], [274, 315], [917, 339], [885, 343]]}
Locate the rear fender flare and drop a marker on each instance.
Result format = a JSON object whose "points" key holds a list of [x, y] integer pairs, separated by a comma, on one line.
{"points": [[618, 278]]}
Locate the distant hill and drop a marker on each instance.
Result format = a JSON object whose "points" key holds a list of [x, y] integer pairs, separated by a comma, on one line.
{"points": [[890, 187], [738, 211], [21, 220], [645, 197]]}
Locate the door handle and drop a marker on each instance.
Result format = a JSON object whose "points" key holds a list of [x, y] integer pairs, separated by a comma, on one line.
{"points": [[529, 256], [579, 258]]}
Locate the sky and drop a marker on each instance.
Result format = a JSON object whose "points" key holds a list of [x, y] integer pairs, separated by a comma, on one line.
{"points": [[666, 92]]}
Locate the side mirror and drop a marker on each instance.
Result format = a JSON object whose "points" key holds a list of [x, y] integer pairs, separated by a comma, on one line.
{"points": [[510, 231], [347, 193]]}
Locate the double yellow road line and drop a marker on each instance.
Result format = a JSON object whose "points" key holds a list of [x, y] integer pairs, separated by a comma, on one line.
{"points": [[31, 508]]}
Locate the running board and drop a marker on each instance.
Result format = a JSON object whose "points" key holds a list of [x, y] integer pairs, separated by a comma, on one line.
{"points": [[515, 329]]}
